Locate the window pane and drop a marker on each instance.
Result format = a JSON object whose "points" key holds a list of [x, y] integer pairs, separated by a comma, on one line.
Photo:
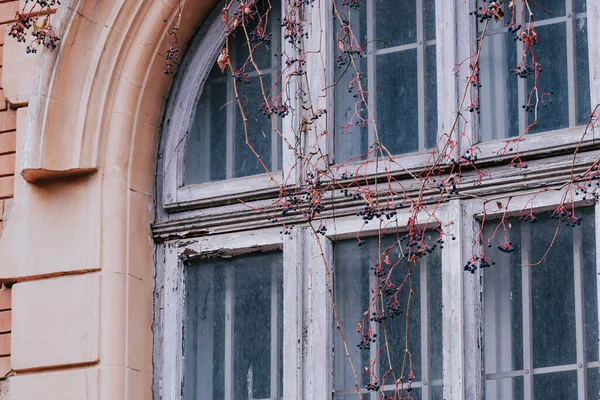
{"points": [[580, 6], [389, 16], [230, 306], [561, 385], [397, 101], [540, 275], [546, 9], [258, 130], [503, 320], [431, 113], [216, 147], [551, 53], [504, 389], [499, 96], [206, 146], [593, 384], [504, 95], [400, 73], [351, 138], [355, 283]]}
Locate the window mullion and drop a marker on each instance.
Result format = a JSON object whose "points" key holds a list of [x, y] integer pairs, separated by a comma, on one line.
{"points": [[521, 83], [232, 115], [274, 334], [462, 311], [527, 312], [424, 299], [593, 14], [572, 83], [597, 227], [421, 76], [293, 313], [579, 318], [371, 67]]}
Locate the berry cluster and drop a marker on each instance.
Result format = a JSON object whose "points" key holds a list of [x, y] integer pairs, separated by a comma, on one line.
{"points": [[365, 343], [478, 262], [170, 56], [566, 217], [372, 386]]}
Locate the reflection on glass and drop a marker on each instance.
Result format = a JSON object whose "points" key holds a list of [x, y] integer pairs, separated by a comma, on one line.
{"points": [[230, 306]]}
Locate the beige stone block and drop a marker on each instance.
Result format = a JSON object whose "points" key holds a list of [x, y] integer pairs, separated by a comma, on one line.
{"points": [[5, 344], [18, 71], [5, 367], [141, 245], [60, 223], [140, 325], [143, 159], [113, 317], [139, 385], [8, 142], [56, 321], [74, 384], [3, 104], [112, 384]]}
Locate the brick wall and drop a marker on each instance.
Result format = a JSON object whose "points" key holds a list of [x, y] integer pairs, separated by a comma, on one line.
{"points": [[8, 134]]}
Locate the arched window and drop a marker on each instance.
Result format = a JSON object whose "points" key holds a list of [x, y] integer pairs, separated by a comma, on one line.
{"points": [[252, 273]]}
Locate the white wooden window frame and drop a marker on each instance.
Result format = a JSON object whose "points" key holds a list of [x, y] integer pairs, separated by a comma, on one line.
{"points": [[307, 307]]}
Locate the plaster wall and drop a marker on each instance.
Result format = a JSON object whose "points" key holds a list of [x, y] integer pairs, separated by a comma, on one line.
{"points": [[79, 132]]}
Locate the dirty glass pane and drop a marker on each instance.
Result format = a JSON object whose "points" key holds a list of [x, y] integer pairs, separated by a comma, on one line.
{"points": [[216, 147], [229, 308], [580, 6], [395, 73], [351, 137], [552, 55], [504, 95], [499, 98], [503, 319], [389, 16], [397, 102], [430, 97], [354, 283], [593, 384], [550, 249], [560, 385]]}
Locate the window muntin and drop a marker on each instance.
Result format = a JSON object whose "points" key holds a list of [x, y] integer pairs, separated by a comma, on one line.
{"points": [[234, 328], [216, 148], [541, 321], [397, 73], [562, 52], [353, 284]]}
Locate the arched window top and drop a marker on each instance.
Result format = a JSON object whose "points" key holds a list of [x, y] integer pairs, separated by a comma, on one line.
{"points": [[215, 124]]}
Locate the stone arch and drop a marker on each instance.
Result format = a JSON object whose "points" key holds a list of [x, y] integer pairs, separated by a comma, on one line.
{"points": [[85, 195]]}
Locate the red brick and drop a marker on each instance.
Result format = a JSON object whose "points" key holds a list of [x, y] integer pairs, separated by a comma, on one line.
{"points": [[8, 142], [5, 321], [5, 299], [7, 165], [8, 120], [7, 186], [3, 104], [5, 344]]}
